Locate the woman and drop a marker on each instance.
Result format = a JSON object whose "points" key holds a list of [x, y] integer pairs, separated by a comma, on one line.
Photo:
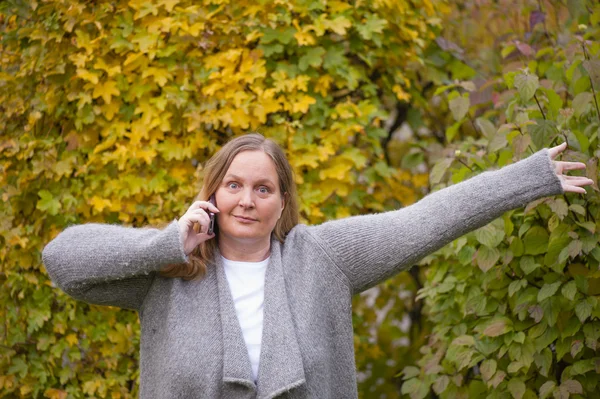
{"points": [[271, 315]]}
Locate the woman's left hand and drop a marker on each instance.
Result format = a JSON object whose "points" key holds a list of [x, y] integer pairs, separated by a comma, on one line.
{"points": [[570, 184]]}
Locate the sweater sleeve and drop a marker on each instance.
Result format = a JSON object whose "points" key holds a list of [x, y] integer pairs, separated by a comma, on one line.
{"points": [[371, 248], [109, 264]]}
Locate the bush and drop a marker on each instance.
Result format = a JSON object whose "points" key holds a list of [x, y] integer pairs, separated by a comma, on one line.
{"points": [[515, 304]]}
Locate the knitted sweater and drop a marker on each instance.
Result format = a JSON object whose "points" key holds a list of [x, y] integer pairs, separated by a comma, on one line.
{"points": [[191, 343]]}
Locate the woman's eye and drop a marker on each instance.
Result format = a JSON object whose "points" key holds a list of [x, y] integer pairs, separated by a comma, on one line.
{"points": [[232, 185], [263, 190]]}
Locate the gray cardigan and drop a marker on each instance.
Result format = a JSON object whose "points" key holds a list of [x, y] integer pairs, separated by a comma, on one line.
{"points": [[191, 342]]}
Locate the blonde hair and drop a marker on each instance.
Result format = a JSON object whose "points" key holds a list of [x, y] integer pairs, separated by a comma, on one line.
{"points": [[214, 172]]}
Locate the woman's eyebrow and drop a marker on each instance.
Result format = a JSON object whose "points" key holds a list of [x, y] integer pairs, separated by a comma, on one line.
{"points": [[239, 178]]}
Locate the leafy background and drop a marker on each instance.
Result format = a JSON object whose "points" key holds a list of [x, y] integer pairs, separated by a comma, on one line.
{"points": [[109, 109]]}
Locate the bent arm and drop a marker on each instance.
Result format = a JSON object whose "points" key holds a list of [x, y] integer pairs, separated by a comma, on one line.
{"points": [[109, 264], [372, 248]]}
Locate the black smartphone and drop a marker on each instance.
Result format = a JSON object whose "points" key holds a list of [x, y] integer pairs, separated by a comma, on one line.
{"points": [[211, 215]]}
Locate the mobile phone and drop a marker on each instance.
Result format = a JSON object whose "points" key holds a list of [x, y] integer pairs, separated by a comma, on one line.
{"points": [[211, 215]]}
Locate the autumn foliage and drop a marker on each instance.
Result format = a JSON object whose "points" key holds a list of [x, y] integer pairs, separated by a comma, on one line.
{"points": [[109, 109]]}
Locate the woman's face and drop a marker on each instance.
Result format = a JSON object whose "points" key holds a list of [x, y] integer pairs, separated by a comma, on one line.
{"points": [[249, 199]]}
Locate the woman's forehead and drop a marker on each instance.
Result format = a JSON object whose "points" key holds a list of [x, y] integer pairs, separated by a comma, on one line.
{"points": [[253, 165]]}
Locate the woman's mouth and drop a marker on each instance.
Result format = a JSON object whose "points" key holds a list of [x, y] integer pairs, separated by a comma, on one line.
{"points": [[244, 219]]}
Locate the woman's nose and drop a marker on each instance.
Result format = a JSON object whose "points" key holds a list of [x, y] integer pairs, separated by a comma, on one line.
{"points": [[247, 199]]}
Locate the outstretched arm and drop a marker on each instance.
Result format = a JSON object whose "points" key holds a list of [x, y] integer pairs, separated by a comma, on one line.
{"points": [[111, 265], [371, 248]]}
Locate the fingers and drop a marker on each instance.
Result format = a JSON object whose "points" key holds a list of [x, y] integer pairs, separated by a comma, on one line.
{"points": [[203, 205], [198, 216], [563, 166], [554, 151], [579, 179], [574, 184], [573, 189]]}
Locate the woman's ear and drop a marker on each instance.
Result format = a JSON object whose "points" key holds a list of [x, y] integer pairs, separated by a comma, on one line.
{"points": [[284, 198]]}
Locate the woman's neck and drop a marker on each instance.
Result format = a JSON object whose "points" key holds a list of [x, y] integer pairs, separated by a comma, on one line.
{"points": [[244, 252]]}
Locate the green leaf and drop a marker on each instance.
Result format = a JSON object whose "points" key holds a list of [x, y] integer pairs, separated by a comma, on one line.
{"points": [[548, 290], [536, 313], [410, 372], [438, 171], [440, 384], [313, 58], [487, 257], [583, 310], [489, 235], [526, 84], [283, 36], [372, 24], [555, 103], [542, 133], [48, 203], [18, 366], [559, 207], [517, 388], [576, 347], [547, 389], [452, 130], [528, 265], [572, 327], [536, 241], [581, 103], [593, 69], [459, 106], [572, 386], [498, 327], [569, 290], [592, 334], [549, 336], [497, 379], [515, 286], [543, 361], [487, 369], [575, 7], [464, 340], [487, 128], [551, 308]]}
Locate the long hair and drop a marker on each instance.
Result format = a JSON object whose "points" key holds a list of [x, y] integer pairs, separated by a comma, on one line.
{"points": [[214, 172]]}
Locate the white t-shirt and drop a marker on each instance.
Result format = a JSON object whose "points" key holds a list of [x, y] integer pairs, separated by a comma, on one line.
{"points": [[247, 284]]}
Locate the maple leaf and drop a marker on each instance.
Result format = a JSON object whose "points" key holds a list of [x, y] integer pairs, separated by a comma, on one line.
{"points": [[106, 90]]}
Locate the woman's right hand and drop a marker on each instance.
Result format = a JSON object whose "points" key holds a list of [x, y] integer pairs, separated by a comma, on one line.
{"points": [[196, 213]]}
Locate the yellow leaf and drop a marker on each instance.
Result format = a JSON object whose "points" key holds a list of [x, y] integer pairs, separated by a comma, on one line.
{"points": [[79, 59], [87, 75], [110, 70], [110, 109], [168, 4], [323, 84], [338, 6], [302, 103], [98, 204], [54, 393], [252, 36], [339, 171], [400, 93], [303, 36], [195, 29], [132, 58], [339, 25], [106, 90], [72, 339], [161, 75]]}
